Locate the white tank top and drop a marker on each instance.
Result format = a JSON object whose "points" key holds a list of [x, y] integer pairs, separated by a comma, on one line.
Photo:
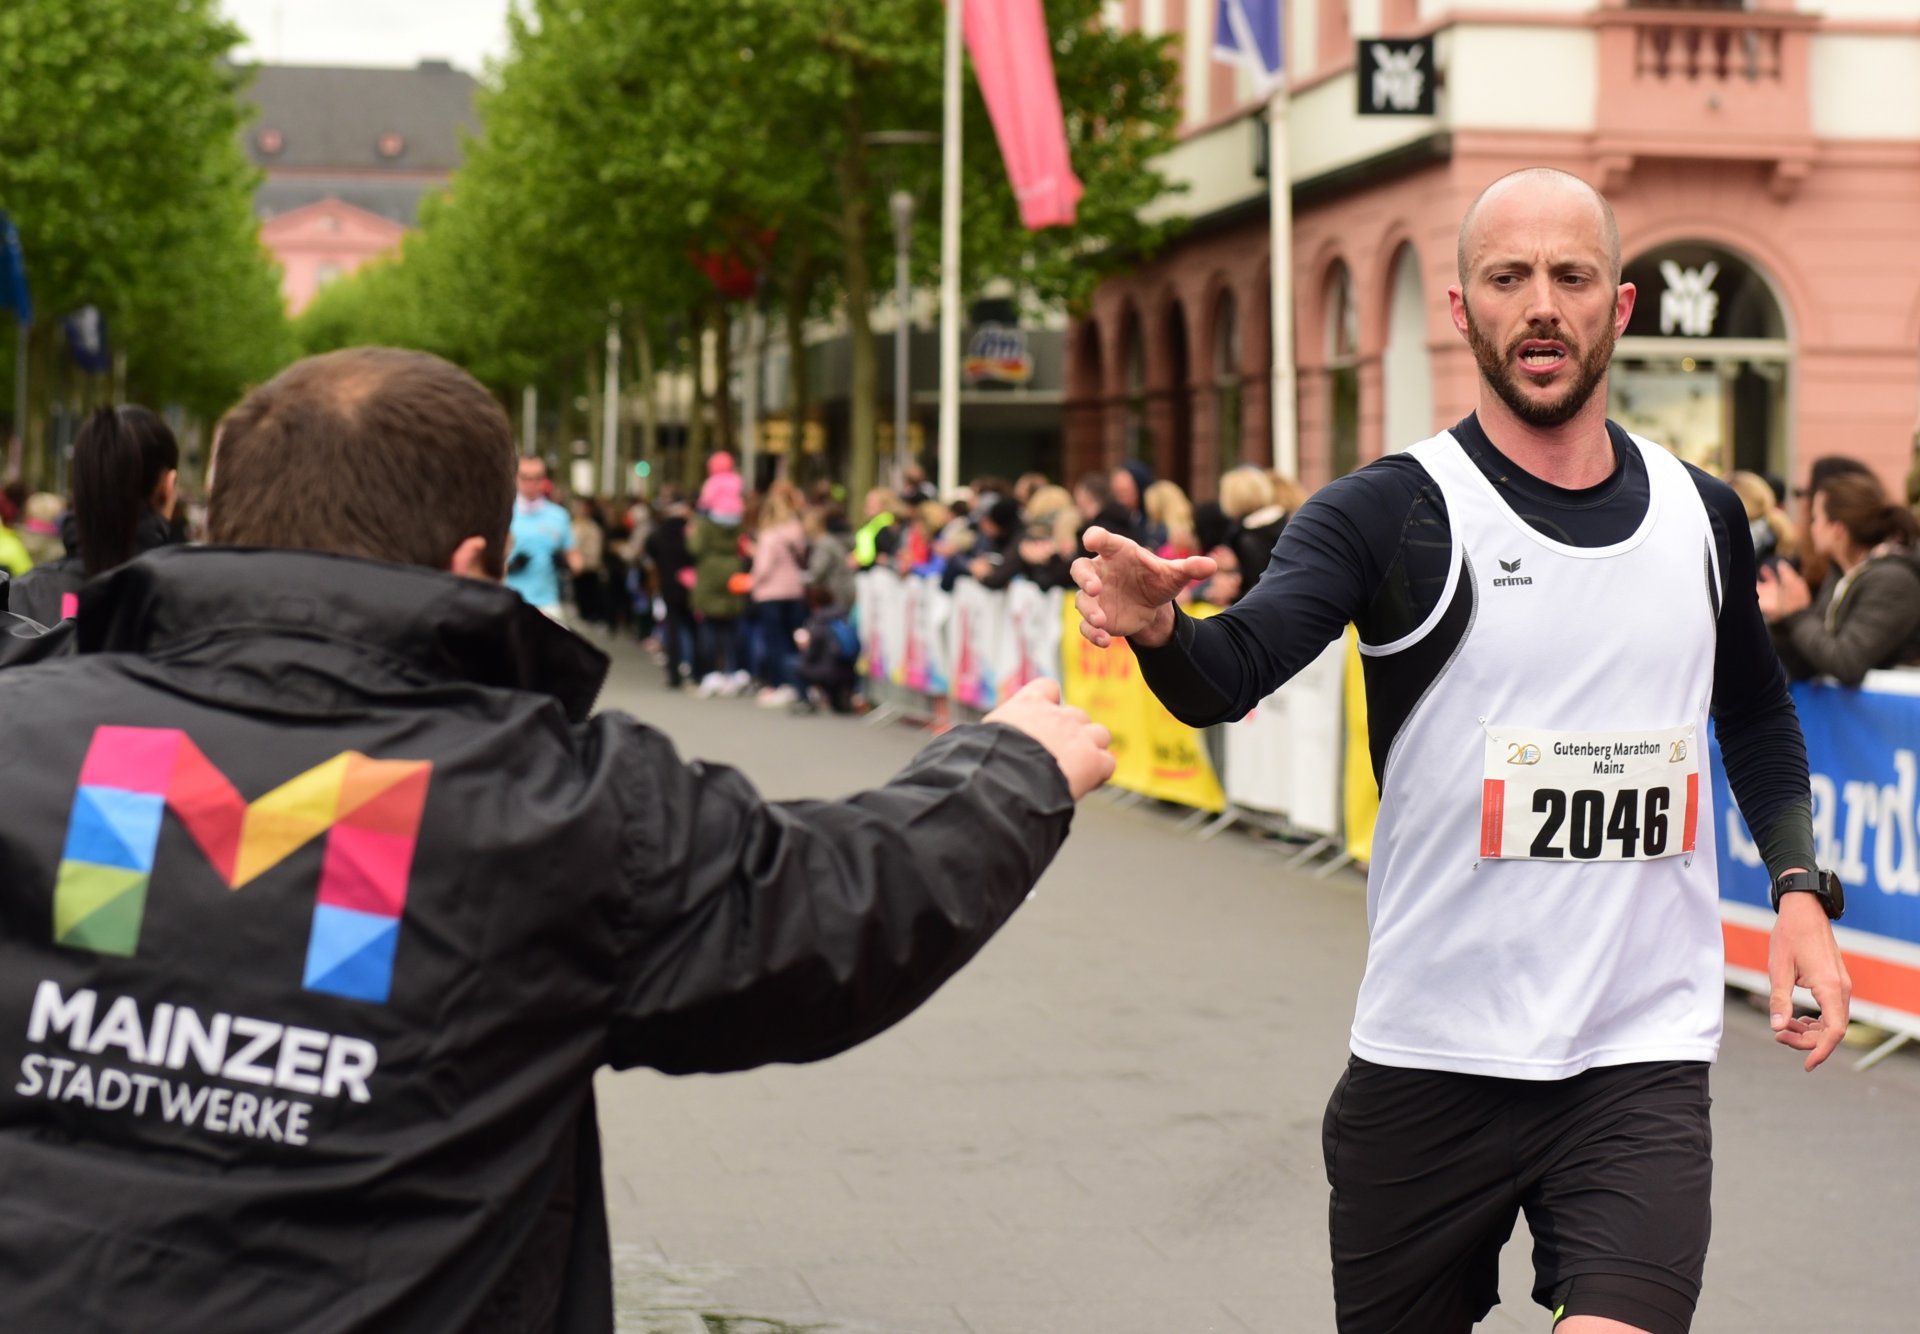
{"points": [[1543, 896]]}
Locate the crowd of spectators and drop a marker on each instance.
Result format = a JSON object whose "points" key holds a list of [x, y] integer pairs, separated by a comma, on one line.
{"points": [[738, 592]]}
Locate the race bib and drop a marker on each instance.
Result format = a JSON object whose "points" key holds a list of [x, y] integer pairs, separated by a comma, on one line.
{"points": [[1589, 796]]}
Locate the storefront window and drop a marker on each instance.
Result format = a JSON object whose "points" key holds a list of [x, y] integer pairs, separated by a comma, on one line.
{"points": [[1704, 365]]}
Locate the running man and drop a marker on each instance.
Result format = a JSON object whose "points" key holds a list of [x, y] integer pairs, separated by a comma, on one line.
{"points": [[542, 542], [1549, 610]]}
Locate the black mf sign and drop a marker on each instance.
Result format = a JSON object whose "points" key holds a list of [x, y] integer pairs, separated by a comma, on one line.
{"points": [[1395, 76]]}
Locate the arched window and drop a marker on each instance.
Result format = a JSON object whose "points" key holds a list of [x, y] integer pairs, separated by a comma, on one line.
{"points": [[1408, 366], [1136, 441], [1229, 409], [1343, 371]]}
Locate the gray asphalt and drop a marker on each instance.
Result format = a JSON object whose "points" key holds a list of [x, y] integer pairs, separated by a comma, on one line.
{"points": [[1110, 1121]]}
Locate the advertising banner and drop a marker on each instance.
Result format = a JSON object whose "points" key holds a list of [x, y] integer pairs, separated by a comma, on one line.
{"points": [[1156, 754], [1285, 758], [924, 668], [883, 624], [1028, 647], [1861, 748], [974, 630]]}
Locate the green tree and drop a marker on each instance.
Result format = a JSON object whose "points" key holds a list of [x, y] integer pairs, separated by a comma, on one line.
{"points": [[629, 138], [120, 164]]}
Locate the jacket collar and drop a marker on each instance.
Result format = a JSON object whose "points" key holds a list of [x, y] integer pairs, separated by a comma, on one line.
{"points": [[437, 623]]}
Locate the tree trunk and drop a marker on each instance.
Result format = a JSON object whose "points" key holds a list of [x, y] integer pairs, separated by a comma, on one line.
{"points": [[799, 294], [647, 446], [693, 467], [855, 222], [724, 437], [596, 420]]}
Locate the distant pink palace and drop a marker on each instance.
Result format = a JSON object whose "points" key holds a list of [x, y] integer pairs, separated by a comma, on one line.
{"points": [[348, 155], [323, 241]]}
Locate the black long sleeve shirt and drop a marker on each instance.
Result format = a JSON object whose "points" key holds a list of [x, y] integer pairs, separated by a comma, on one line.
{"points": [[1372, 548]]}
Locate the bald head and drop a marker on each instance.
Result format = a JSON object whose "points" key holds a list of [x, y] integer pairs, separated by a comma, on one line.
{"points": [[1531, 191]]}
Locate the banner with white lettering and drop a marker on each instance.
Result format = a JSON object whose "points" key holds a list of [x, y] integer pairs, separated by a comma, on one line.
{"points": [[1861, 749]]}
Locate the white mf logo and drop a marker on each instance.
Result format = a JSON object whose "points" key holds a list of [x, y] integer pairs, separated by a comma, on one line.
{"points": [[1689, 304], [1398, 80], [86, 329]]}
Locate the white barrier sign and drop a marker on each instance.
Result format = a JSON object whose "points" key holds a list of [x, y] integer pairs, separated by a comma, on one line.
{"points": [[1285, 757]]}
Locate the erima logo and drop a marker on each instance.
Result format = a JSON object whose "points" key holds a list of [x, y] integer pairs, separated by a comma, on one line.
{"points": [[1514, 577]]}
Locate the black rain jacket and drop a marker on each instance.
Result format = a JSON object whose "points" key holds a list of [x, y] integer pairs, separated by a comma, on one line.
{"points": [[325, 1063]]}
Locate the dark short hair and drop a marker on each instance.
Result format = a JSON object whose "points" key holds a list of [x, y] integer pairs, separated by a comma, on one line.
{"points": [[370, 451]]}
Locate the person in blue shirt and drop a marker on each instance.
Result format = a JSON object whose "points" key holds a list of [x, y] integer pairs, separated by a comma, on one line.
{"points": [[542, 539]]}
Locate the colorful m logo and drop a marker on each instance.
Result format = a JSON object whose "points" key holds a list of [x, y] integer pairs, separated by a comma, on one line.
{"points": [[369, 810]]}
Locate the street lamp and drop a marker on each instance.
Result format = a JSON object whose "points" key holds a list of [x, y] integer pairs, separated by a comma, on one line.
{"points": [[902, 203]]}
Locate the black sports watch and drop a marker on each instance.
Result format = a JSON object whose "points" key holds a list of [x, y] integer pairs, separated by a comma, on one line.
{"points": [[1823, 885]]}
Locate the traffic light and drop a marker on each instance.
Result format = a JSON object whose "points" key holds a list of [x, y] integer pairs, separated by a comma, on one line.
{"points": [[643, 469]]}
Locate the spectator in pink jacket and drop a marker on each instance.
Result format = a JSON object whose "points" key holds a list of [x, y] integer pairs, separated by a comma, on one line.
{"points": [[779, 591]]}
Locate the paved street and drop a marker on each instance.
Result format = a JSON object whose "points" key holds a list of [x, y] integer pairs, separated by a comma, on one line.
{"points": [[1110, 1121]]}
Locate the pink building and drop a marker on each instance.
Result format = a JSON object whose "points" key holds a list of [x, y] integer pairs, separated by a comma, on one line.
{"points": [[1764, 164], [348, 155], [322, 241]]}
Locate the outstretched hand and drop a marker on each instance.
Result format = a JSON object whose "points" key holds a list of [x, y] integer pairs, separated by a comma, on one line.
{"points": [[1078, 745], [1127, 592]]}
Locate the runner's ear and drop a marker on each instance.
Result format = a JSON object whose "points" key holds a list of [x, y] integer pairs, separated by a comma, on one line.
{"points": [[469, 560]]}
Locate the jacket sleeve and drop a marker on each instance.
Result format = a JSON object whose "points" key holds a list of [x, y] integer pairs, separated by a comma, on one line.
{"points": [[757, 931], [1880, 614]]}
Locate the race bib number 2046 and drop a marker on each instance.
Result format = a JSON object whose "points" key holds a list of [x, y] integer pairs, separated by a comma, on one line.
{"points": [[1589, 796]]}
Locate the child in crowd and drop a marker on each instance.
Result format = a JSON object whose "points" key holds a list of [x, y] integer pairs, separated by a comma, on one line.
{"points": [[829, 655]]}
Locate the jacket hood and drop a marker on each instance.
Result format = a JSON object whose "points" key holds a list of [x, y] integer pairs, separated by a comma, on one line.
{"points": [[437, 624]]}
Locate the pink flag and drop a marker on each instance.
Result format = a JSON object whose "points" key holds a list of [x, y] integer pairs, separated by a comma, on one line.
{"points": [[1014, 62]]}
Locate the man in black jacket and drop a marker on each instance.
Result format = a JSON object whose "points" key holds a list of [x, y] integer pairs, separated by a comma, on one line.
{"points": [[322, 899]]}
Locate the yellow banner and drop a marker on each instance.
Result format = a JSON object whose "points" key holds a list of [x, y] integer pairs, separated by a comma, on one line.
{"points": [[1157, 755], [1362, 796]]}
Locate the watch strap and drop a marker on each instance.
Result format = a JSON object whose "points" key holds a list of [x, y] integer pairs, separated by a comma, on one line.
{"points": [[1823, 885]]}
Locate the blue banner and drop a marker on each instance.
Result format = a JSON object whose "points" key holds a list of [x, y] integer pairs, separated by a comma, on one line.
{"points": [[1247, 32], [87, 340], [13, 273], [1861, 749]]}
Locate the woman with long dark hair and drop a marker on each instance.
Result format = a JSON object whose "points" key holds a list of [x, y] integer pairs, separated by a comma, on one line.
{"points": [[125, 465], [1866, 612]]}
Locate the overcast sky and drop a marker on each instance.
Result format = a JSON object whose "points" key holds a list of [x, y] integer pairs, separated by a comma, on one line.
{"points": [[370, 32]]}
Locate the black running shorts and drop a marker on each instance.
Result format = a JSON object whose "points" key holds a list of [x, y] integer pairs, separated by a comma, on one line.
{"points": [[1613, 1168]]}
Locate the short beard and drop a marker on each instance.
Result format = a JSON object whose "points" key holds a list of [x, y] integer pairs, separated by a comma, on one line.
{"points": [[1497, 369]]}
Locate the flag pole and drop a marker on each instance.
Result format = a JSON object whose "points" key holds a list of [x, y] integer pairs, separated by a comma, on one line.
{"points": [[950, 257], [1286, 443]]}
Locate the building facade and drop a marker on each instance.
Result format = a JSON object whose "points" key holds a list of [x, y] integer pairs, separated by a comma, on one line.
{"points": [[348, 155], [1764, 164]]}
